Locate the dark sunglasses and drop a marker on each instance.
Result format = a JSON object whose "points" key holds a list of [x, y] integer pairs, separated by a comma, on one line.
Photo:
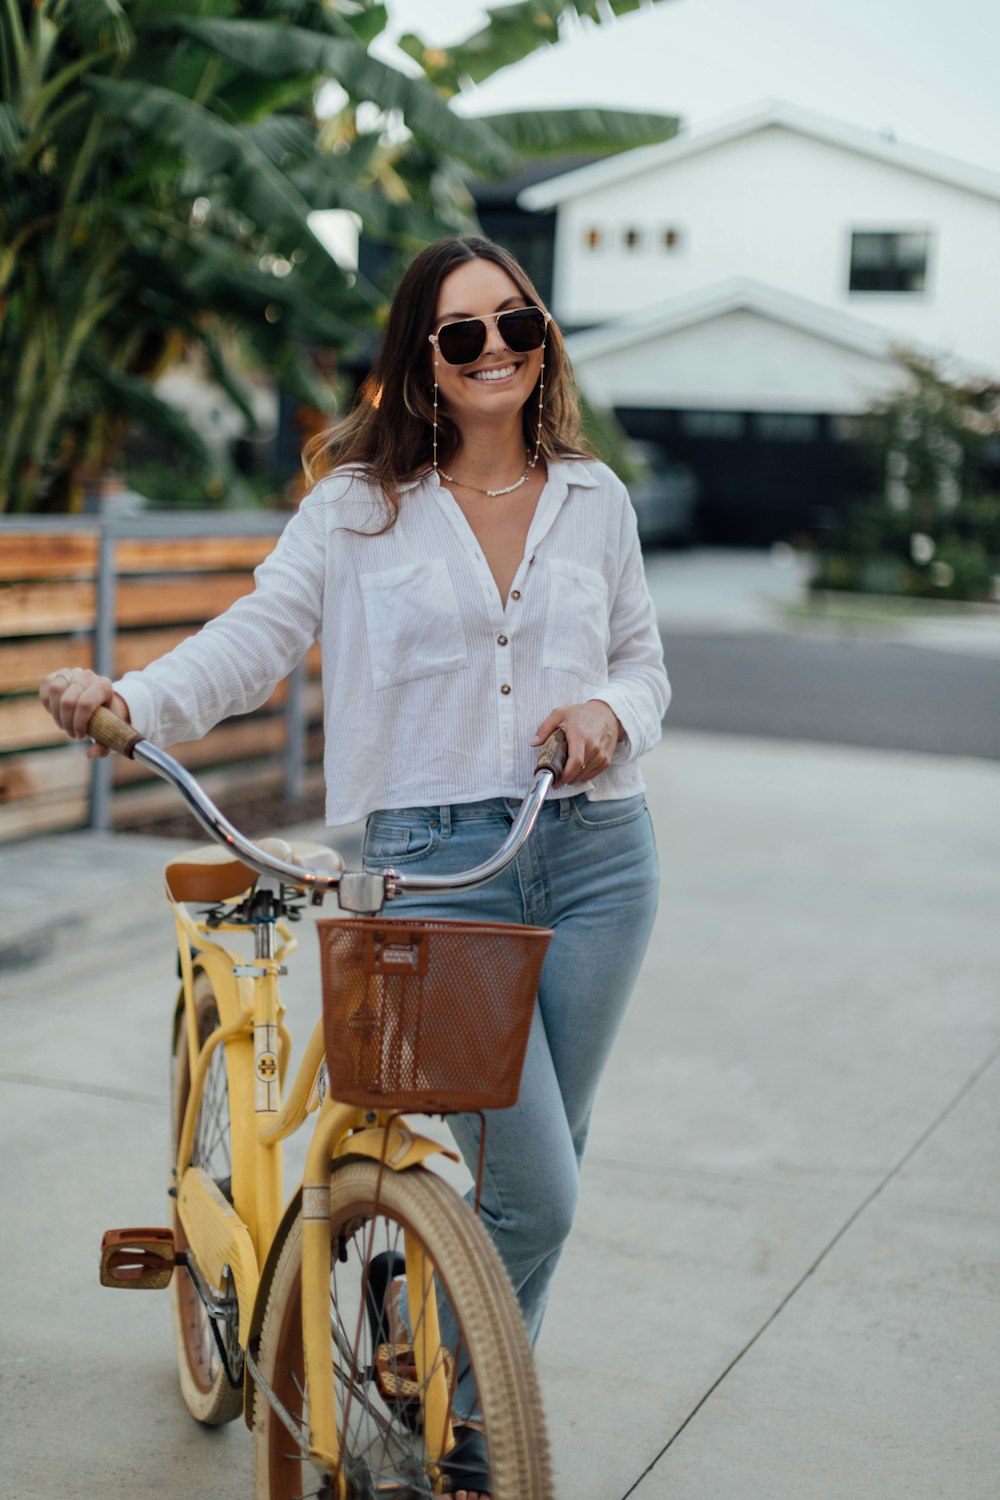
{"points": [[522, 329]]}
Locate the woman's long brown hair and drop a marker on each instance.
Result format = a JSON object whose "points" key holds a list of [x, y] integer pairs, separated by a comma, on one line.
{"points": [[388, 433]]}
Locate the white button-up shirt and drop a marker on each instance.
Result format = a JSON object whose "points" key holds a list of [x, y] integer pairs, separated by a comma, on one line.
{"points": [[433, 688]]}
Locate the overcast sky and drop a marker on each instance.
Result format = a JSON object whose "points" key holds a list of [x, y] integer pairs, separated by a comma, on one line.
{"points": [[925, 69]]}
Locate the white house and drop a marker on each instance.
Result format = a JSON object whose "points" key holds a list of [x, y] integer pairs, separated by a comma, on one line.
{"points": [[740, 293]]}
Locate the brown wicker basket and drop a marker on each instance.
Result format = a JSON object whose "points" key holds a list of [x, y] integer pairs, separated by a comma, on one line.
{"points": [[428, 1016]]}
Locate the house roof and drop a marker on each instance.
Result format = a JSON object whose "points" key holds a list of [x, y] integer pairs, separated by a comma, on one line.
{"points": [[792, 117], [734, 294]]}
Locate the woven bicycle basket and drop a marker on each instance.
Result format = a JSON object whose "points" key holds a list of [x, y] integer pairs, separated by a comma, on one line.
{"points": [[429, 1016]]}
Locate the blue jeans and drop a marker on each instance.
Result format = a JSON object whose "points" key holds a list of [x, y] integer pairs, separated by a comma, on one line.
{"points": [[589, 872]]}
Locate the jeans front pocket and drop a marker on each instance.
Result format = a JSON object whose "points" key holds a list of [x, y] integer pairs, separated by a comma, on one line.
{"points": [[613, 813], [394, 841]]}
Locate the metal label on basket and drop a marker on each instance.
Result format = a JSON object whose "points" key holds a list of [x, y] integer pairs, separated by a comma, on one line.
{"points": [[401, 953], [395, 955]]}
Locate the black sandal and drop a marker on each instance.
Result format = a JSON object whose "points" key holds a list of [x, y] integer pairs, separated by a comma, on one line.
{"points": [[467, 1467]]}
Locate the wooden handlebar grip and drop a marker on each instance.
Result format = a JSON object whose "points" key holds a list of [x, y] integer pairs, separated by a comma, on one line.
{"points": [[552, 756], [113, 733]]}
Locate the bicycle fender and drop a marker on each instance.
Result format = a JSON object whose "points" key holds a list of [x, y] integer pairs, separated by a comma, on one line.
{"points": [[263, 1291], [403, 1149]]}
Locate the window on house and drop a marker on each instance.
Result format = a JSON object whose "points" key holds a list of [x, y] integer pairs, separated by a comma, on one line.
{"points": [[633, 239], [592, 239], [712, 424], [845, 429], [671, 239], [887, 262], [785, 426]]}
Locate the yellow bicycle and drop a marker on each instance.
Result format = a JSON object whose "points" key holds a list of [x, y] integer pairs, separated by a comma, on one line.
{"points": [[342, 1324]]}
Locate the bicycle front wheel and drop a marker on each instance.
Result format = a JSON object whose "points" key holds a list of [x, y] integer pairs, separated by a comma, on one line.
{"points": [[203, 1351], [381, 1442]]}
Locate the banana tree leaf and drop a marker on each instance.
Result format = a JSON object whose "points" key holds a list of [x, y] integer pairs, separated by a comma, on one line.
{"points": [[253, 182], [252, 97], [512, 32], [12, 128], [99, 23], [133, 398], [276, 51], [284, 139], [368, 23], [555, 132], [217, 278], [413, 224], [225, 378]]}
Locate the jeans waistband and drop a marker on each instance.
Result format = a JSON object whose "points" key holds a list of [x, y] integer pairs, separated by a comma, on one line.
{"points": [[491, 809]]}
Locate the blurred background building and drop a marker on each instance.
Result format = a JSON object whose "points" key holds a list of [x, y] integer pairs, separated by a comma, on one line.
{"points": [[739, 295]]}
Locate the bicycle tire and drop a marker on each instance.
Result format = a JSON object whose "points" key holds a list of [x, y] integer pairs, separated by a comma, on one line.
{"points": [[206, 1389], [493, 1334]]}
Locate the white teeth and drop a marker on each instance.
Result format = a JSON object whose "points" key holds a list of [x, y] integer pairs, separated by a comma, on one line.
{"points": [[494, 374]]}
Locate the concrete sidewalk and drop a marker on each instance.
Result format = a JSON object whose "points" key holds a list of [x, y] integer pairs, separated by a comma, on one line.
{"points": [[783, 1282], [730, 591]]}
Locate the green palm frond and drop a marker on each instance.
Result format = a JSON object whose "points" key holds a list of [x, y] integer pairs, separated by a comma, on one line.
{"points": [[278, 51], [101, 24], [560, 132], [220, 150], [511, 33], [129, 396]]}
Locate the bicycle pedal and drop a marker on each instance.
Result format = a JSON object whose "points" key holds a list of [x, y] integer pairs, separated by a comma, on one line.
{"points": [[395, 1371], [139, 1259]]}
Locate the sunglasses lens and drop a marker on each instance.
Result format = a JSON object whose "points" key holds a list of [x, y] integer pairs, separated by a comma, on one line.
{"points": [[461, 343], [523, 329]]}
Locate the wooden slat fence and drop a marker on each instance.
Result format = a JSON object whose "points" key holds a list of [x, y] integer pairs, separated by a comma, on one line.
{"points": [[114, 593]]}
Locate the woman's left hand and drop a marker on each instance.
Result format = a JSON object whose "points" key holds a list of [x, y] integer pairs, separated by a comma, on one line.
{"points": [[592, 733]]}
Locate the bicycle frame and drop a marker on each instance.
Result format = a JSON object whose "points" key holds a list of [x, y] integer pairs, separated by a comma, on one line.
{"points": [[239, 1236]]}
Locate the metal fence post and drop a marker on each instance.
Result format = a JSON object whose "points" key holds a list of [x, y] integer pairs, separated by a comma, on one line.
{"points": [[104, 664]]}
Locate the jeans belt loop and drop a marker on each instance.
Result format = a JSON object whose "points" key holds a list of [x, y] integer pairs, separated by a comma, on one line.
{"points": [[445, 815], [565, 808]]}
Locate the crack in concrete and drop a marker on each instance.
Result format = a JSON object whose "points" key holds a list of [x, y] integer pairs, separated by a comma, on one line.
{"points": [[69, 1086]]}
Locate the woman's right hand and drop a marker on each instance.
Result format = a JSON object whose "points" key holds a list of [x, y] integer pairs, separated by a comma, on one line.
{"points": [[71, 695]]}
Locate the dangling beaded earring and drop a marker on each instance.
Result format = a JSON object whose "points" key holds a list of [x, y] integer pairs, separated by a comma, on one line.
{"points": [[541, 401], [435, 439]]}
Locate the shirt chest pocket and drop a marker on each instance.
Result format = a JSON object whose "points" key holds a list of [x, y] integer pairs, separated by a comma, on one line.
{"points": [[412, 623], [576, 630]]}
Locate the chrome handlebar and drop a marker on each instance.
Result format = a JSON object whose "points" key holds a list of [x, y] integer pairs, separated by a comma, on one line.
{"points": [[356, 891]]}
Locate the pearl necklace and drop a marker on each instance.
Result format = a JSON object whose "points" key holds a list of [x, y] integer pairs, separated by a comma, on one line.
{"points": [[507, 490]]}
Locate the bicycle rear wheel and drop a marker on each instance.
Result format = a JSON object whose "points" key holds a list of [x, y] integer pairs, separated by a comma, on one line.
{"points": [[206, 1388], [382, 1445]]}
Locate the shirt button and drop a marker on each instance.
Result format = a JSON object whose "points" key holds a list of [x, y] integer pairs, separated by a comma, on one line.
{"points": [[515, 593], [501, 640], [505, 688]]}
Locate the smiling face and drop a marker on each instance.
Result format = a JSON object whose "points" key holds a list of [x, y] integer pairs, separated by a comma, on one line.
{"points": [[495, 386]]}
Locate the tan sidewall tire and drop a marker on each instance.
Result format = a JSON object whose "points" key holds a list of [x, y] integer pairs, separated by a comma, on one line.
{"points": [[481, 1296], [219, 1402]]}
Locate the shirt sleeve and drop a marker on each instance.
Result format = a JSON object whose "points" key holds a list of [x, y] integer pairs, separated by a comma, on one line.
{"points": [[232, 665], [638, 689]]}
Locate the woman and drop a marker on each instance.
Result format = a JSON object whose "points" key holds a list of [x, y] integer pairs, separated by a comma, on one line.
{"points": [[476, 582]]}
